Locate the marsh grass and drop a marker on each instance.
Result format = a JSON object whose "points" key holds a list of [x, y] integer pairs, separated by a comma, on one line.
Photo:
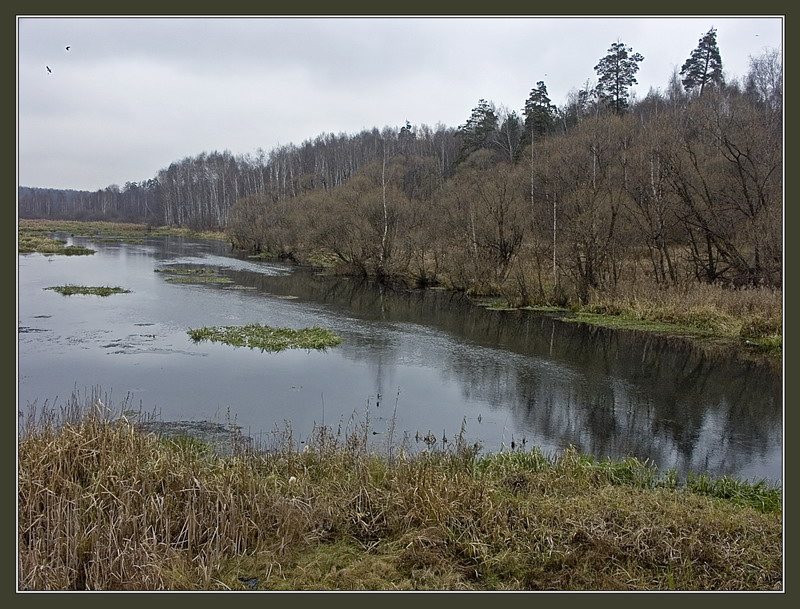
{"points": [[748, 316], [71, 290], [118, 231], [267, 338], [31, 243], [104, 506], [198, 274]]}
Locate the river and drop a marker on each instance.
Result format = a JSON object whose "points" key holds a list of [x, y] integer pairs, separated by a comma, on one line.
{"points": [[430, 360]]}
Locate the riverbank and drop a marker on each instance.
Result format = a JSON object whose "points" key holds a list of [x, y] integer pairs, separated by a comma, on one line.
{"points": [[112, 231], [750, 318], [704, 324], [105, 506]]}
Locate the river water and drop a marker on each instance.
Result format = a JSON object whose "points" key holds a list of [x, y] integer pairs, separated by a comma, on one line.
{"points": [[430, 360]]}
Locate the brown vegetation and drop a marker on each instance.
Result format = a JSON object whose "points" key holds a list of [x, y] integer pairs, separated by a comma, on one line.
{"points": [[104, 506]]}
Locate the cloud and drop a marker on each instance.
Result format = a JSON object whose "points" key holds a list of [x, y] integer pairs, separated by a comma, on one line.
{"points": [[132, 95]]}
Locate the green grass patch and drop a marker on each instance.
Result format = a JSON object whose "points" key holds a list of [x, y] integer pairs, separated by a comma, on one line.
{"points": [[770, 344], [193, 275], [267, 338], [71, 290], [632, 323], [31, 244]]}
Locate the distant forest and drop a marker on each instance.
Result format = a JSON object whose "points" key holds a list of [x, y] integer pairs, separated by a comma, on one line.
{"points": [[684, 184]]}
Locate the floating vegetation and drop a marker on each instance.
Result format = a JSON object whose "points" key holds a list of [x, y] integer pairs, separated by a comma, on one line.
{"points": [[200, 274], [179, 270], [200, 279], [28, 330], [267, 338], [70, 290], [37, 244]]}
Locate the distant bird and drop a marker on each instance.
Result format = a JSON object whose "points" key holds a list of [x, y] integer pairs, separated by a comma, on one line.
{"points": [[67, 48], [49, 71]]}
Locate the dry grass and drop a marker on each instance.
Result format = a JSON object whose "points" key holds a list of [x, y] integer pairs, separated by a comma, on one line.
{"points": [[751, 312], [751, 315], [103, 506], [114, 230]]}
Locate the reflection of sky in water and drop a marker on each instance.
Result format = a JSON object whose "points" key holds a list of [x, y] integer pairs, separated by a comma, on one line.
{"points": [[507, 375]]}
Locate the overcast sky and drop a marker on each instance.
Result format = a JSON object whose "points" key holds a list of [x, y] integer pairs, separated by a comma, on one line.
{"points": [[133, 95]]}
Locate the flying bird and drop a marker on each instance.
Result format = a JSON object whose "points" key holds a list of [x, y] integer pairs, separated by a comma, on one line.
{"points": [[49, 71], [67, 48]]}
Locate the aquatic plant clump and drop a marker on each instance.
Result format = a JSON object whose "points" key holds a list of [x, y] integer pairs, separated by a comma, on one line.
{"points": [[192, 275], [267, 338], [36, 244], [71, 290]]}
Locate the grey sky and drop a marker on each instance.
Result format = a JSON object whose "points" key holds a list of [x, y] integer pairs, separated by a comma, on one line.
{"points": [[133, 95]]}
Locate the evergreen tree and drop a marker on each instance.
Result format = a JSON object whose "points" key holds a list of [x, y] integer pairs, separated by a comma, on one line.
{"points": [[704, 65], [617, 72], [539, 113], [480, 129]]}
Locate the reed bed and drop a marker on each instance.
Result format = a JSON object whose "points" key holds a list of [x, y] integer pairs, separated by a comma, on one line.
{"points": [[104, 506]]}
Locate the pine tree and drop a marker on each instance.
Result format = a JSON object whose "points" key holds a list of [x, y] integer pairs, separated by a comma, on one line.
{"points": [[539, 113], [480, 129], [617, 72], [704, 65]]}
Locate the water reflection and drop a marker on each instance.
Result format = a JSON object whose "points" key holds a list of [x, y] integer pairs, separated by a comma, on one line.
{"points": [[609, 392], [513, 375]]}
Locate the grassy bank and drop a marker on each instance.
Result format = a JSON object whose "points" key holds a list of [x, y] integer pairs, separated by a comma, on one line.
{"points": [[114, 231], [104, 506], [750, 317]]}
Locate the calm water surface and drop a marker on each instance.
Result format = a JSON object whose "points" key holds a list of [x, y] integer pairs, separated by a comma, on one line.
{"points": [[435, 357]]}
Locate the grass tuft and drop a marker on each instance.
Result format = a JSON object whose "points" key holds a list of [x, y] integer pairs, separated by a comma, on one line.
{"points": [[267, 338], [71, 290], [199, 274], [37, 244]]}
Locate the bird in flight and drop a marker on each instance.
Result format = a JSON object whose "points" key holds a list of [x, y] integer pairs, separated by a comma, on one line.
{"points": [[49, 71], [67, 48]]}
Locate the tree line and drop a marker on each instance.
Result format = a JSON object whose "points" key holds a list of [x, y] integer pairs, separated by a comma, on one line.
{"points": [[551, 203]]}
